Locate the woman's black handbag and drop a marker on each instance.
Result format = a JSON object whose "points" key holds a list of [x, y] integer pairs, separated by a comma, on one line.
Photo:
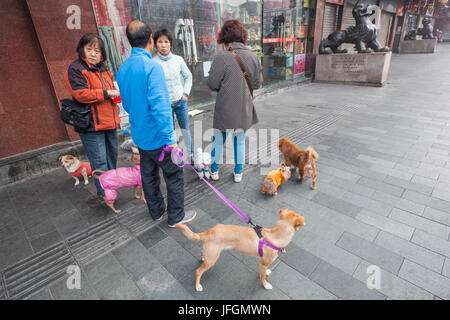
{"points": [[76, 114]]}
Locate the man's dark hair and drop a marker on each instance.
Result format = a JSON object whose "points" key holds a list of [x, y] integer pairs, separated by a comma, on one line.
{"points": [[163, 32], [88, 39], [139, 35]]}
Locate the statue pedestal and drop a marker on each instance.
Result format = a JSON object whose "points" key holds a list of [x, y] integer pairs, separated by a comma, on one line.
{"points": [[417, 46], [368, 69]]}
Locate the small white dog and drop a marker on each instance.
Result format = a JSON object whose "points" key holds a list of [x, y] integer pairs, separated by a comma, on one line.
{"points": [[202, 162]]}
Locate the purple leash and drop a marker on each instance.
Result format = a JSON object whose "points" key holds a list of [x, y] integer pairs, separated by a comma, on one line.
{"points": [[262, 240]]}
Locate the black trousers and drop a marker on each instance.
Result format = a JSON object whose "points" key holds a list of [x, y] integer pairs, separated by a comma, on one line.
{"points": [[173, 176]]}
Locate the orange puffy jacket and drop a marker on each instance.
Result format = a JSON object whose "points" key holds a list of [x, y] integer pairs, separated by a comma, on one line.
{"points": [[89, 84]]}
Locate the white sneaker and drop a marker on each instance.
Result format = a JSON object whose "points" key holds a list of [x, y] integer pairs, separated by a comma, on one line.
{"points": [[237, 177], [215, 175], [207, 174]]}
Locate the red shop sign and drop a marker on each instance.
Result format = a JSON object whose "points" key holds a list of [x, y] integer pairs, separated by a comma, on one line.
{"points": [[274, 40], [335, 1]]}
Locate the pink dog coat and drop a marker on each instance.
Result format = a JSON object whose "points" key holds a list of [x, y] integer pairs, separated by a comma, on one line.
{"points": [[114, 179]]}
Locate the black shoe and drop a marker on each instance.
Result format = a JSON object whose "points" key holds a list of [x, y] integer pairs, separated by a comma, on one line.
{"points": [[101, 194]]}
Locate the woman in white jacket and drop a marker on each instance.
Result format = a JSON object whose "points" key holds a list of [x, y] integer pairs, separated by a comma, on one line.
{"points": [[179, 82]]}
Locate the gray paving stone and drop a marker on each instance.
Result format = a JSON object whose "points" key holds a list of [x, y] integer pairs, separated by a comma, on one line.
{"points": [[102, 267], [174, 258], [425, 278], [336, 204], [299, 259], [434, 203], [45, 241], [377, 161], [391, 285], [446, 268], [442, 194], [327, 251], [159, 284], [391, 172], [14, 249], [411, 251], [386, 198], [151, 237], [367, 203], [297, 286], [425, 181], [70, 223], [410, 206], [386, 224], [117, 286], [409, 185], [431, 242], [371, 252], [420, 223], [60, 291], [381, 186], [339, 173], [350, 186], [426, 173], [343, 285], [41, 295], [135, 259]]}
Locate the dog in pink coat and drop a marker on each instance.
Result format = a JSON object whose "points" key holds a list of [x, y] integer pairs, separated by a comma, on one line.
{"points": [[114, 179]]}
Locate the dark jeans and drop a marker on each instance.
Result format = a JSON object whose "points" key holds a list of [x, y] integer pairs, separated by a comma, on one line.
{"points": [[101, 148], [173, 175]]}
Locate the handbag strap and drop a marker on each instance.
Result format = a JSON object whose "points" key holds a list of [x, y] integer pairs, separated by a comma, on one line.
{"points": [[247, 79]]}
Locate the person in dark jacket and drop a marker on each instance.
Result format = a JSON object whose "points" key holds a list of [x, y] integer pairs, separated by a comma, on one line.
{"points": [[234, 109], [90, 82]]}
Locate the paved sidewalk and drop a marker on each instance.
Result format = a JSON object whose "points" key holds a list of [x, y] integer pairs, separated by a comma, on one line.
{"points": [[382, 198]]}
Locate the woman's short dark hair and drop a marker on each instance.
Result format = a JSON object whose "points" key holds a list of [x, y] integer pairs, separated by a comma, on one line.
{"points": [[163, 32], [88, 39], [232, 31]]}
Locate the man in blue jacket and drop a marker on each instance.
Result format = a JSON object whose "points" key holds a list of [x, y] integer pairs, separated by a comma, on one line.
{"points": [[146, 99]]}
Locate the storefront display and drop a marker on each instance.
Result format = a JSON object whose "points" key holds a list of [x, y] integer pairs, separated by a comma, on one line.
{"points": [[280, 32], [288, 28]]}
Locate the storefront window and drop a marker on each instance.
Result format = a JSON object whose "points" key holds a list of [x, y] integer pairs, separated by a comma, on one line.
{"points": [[280, 33], [288, 29]]}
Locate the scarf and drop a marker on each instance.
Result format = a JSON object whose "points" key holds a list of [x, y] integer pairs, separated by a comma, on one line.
{"points": [[165, 58]]}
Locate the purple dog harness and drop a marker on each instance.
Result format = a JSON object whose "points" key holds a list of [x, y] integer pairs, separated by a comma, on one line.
{"points": [[262, 240]]}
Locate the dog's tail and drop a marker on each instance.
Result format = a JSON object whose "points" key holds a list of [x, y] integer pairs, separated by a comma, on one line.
{"points": [[312, 152], [188, 232], [95, 175]]}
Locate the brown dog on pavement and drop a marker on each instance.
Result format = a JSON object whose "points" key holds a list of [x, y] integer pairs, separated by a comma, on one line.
{"points": [[244, 239], [303, 160]]}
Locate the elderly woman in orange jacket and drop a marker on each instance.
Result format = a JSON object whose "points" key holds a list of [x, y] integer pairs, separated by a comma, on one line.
{"points": [[90, 82]]}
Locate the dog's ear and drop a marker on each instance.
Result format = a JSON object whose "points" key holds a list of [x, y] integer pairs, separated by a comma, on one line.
{"points": [[282, 212], [60, 157], [299, 222]]}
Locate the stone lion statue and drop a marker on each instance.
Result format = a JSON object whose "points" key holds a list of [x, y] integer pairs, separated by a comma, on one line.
{"points": [[426, 32], [363, 35]]}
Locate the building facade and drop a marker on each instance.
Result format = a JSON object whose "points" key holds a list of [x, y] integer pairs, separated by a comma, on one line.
{"points": [[41, 36]]}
